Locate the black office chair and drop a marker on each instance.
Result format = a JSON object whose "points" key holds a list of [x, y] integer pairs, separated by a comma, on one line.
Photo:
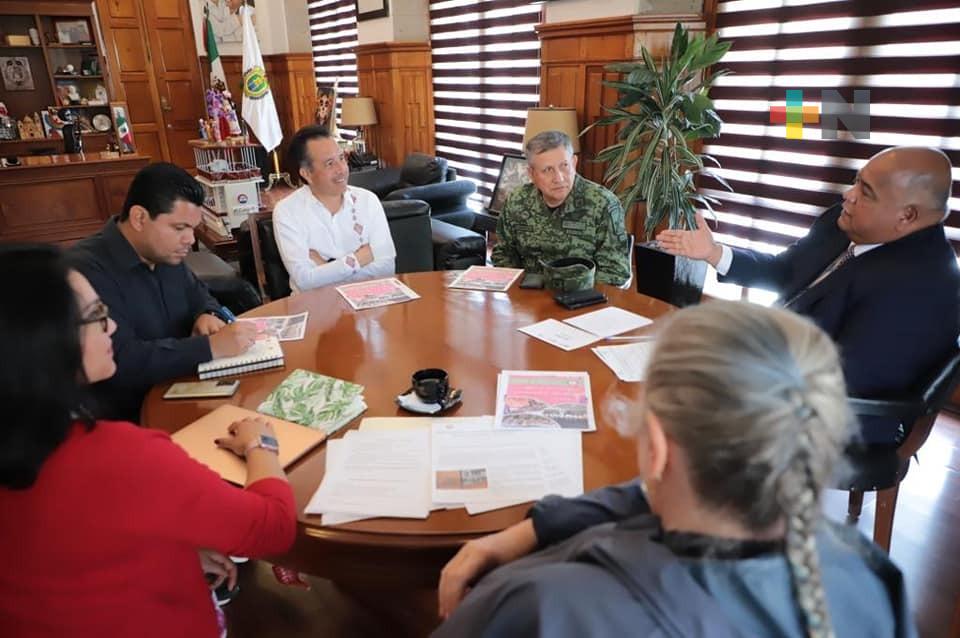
{"points": [[881, 469]]}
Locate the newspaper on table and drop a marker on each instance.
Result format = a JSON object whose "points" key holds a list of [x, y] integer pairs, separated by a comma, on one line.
{"points": [[378, 292], [628, 362], [284, 328], [486, 278], [559, 334], [528, 399]]}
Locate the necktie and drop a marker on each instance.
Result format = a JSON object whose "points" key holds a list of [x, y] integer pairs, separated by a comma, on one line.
{"points": [[843, 258]]}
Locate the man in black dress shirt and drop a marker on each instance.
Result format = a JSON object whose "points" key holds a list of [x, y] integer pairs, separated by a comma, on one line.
{"points": [[166, 319]]}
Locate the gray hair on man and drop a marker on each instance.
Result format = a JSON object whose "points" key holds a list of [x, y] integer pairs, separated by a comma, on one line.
{"points": [[547, 141]]}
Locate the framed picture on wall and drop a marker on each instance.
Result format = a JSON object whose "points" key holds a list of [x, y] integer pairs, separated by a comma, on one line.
{"points": [[123, 127], [72, 31], [513, 174], [16, 74], [370, 9]]}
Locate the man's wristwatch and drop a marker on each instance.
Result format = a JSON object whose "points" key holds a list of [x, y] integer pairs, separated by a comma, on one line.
{"points": [[264, 441]]}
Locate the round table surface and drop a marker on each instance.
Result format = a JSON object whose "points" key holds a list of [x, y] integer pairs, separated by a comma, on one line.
{"points": [[471, 334]]}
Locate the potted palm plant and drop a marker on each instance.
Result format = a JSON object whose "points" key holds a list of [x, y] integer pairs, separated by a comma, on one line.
{"points": [[664, 110]]}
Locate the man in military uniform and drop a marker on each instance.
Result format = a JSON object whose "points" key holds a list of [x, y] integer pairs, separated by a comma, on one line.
{"points": [[561, 214]]}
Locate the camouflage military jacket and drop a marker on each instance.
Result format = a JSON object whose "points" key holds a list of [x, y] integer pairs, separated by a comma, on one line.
{"points": [[589, 223]]}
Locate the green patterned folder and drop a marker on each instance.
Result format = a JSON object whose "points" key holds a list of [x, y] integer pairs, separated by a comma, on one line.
{"points": [[315, 400]]}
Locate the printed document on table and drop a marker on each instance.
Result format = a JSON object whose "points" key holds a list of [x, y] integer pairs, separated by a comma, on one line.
{"points": [[559, 334], [486, 278], [378, 292], [628, 362], [609, 321], [474, 464], [383, 473], [284, 328], [546, 400]]}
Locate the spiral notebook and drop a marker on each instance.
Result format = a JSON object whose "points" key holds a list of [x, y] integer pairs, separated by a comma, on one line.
{"points": [[263, 354]]}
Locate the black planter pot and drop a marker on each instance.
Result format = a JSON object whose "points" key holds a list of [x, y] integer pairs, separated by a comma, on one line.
{"points": [[676, 280]]}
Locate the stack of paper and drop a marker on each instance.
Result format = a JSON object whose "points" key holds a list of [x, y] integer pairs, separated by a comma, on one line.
{"points": [[528, 399], [628, 362], [380, 473], [315, 400], [587, 328], [406, 467]]}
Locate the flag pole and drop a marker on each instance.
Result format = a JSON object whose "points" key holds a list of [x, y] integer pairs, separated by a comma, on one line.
{"points": [[277, 176]]}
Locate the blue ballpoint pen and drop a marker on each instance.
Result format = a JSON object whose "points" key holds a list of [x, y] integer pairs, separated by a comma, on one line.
{"points": [[226, 315]]}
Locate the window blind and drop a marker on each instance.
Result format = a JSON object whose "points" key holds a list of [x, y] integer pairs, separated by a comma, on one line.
{"points": [[486, 74], [333, 36], [907, 54]]}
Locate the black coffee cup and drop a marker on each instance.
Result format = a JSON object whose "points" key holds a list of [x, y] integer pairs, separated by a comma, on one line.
{"points": [[431, 384]]}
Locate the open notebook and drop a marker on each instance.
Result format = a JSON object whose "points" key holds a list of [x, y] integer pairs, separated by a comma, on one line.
{"points": [[197, 439], [263, 354]]}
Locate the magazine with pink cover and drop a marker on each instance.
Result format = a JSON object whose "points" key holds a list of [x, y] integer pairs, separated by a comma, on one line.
{"points": [[486, 278], [528, 399], [379, 292]]}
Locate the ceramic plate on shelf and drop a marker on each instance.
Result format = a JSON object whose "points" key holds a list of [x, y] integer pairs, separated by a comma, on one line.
{"points": [[102, 122]]}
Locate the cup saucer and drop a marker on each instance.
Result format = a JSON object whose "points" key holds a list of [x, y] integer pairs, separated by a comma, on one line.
{"points": [[410, 401]]}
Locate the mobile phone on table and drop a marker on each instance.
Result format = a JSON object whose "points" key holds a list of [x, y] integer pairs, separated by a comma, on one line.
{"points": [[580, 298], [212, 389]]}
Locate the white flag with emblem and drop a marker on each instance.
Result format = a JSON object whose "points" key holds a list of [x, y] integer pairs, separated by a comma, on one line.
{"points": [[259, 110]]}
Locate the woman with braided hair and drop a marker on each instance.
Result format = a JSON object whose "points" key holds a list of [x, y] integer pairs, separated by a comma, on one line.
{"points": [[744, 420]]}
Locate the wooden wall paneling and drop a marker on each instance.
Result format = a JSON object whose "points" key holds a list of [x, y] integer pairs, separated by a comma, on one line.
{"points": [[399, 77], [574, 55]]}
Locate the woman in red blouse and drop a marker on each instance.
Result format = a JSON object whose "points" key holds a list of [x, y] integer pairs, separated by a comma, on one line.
{"points": [[101, 522]]}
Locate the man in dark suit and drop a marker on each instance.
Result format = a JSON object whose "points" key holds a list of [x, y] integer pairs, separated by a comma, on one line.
{"points": [[876, 272]]}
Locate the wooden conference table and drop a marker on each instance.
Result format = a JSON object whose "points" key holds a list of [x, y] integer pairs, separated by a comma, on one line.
{"points": [[471, 334]]}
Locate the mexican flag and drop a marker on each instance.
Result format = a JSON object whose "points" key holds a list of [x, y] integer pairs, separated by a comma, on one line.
{"points": [[259, 109], [213, 55]]}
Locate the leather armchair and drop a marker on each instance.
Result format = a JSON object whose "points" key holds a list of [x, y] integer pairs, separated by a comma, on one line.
{"points": [[409, 223], [882, 468], [425, 178], [224, 284]]}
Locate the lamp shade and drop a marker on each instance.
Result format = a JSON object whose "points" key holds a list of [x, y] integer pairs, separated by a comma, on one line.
{"points": [[553, 119], [357, 111]]}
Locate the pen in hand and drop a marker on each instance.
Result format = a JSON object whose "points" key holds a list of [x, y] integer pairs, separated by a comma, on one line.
{"points": [[225, 314]]}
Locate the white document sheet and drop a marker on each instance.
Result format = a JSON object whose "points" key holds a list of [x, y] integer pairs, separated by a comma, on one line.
{"points": [[609, 321], [628, 362], [382, 473], [559, 334], [488, 469]]}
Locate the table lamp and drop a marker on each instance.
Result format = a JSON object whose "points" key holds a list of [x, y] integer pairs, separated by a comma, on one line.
{"points": [[551, 118], [359, 112]]}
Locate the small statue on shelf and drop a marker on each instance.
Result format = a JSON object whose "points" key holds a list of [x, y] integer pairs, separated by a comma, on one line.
{"points": [[30, 128]]}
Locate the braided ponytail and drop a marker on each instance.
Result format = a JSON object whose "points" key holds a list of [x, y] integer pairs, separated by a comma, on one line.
{"points": [[800, 502], [756, 399]]}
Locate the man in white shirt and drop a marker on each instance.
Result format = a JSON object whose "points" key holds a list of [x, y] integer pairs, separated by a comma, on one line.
{"points": [[329, 232]]}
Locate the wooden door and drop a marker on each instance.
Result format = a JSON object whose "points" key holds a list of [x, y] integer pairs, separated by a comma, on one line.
{"points": [[132, 79], [177, 74]]}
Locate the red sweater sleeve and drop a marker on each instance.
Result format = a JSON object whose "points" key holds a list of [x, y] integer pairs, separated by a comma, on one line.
{"points": [[175, 496]]}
